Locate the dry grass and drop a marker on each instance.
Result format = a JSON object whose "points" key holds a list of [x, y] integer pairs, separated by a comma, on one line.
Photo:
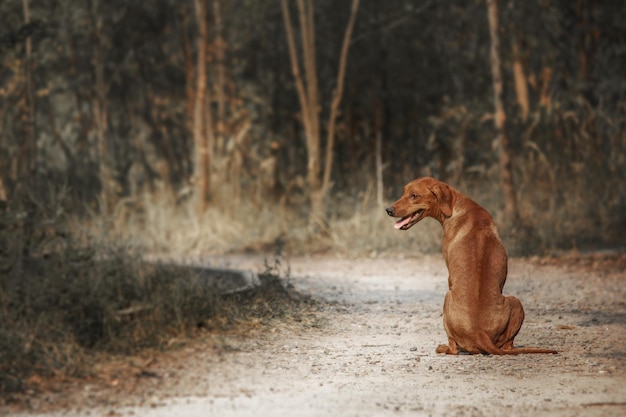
{"points": [[160, 225], [575, 213], [371, 233]]}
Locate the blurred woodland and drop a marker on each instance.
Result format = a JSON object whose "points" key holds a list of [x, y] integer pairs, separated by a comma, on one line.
{"points": [[309, 112]]}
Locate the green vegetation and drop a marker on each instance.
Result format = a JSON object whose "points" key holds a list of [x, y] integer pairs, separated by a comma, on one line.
{"points": [[64, 300]]}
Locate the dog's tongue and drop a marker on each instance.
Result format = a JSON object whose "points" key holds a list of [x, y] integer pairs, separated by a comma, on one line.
{"points": [[402, 222]]}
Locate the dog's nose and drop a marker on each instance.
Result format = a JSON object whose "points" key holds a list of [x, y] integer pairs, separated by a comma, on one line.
{"points": [[389, 211]]}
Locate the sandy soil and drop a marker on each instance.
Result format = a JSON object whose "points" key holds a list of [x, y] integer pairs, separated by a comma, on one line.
{"points": [[369, 350]]}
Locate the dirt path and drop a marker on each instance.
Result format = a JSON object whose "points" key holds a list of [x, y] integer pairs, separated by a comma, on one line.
{"points": [[369, 351]]}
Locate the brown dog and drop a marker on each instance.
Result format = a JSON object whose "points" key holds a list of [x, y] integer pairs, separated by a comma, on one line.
{"points": [[476, 316]]}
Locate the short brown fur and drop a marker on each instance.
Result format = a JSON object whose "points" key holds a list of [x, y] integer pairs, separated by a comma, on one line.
{"points": [[476, 316]]}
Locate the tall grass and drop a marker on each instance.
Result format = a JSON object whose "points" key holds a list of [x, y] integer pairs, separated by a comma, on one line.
{"points": [[161, 223], [370, 232]]}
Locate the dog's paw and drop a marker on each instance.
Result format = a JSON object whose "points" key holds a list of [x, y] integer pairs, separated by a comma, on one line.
{"points": [[443, 349]]}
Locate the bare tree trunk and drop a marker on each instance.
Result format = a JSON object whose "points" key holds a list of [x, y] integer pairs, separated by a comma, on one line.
{"points": [[307, 29], [189, 68], [221, 78], [295, 68], [200, 180], [308, 104], [521, 86], [587, 41], [337, 95], [545, 96], [378, 126], [508, 189], [309, 101], [100, 112], [209, 144], [379, 170], [28, 152], [4, 174]]}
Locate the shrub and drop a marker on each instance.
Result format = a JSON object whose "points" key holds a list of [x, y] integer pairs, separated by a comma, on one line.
{"points": [[62, 303]]}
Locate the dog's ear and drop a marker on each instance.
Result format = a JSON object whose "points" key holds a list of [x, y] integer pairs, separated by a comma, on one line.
{"points": [[444, 197]]}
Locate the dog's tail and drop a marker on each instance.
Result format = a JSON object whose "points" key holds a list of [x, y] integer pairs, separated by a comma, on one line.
{"points": [[487, 346], [517, 351]]}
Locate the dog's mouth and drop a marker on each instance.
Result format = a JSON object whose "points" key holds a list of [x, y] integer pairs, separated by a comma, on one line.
{"points": [[407, 221]]}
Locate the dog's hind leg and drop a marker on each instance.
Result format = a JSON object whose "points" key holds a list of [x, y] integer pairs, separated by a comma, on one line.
{"points": [[516, 318]]}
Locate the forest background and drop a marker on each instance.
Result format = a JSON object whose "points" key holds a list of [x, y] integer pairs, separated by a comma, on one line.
{"points": [[133, 132], [208, 126]]}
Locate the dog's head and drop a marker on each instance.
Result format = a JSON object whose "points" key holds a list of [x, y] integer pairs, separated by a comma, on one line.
{"points": [[423, 197]]}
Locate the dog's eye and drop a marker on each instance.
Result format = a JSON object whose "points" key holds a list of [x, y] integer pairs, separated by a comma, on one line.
{"points": [[413, 196]]}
